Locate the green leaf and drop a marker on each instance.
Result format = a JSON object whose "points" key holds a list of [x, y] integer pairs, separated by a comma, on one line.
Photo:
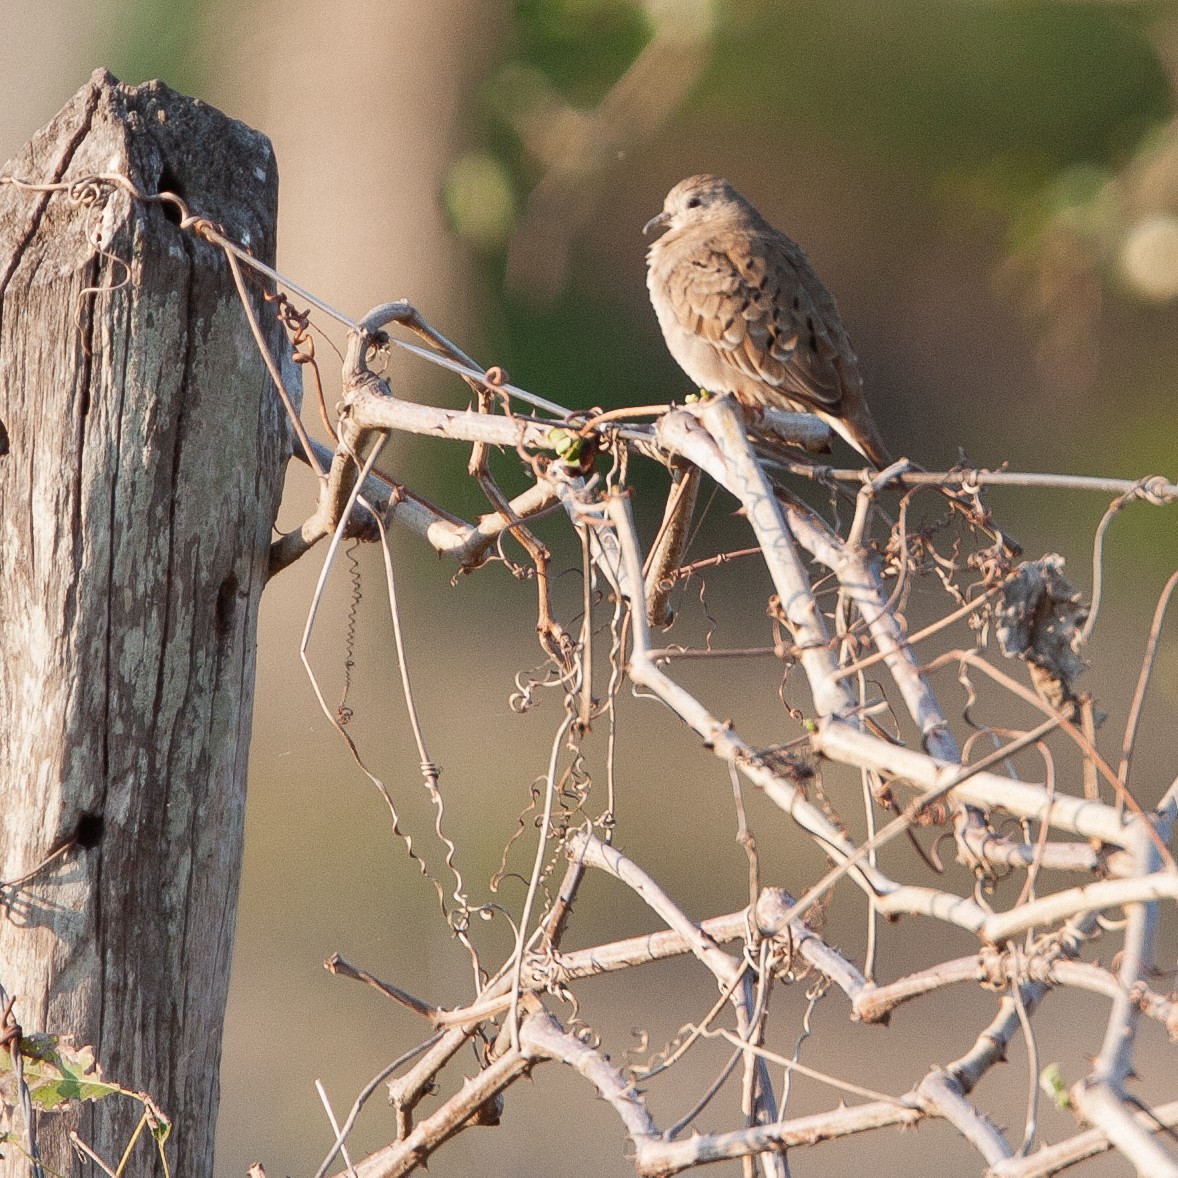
{"points": [[56, 1072], [1051, 1081], [567, 445]]}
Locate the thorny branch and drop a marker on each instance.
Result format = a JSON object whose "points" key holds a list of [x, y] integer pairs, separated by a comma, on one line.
{"points": [[862, 692]]}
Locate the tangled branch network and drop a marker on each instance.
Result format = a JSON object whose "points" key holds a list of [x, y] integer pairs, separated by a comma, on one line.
{"points": [[1056, 856]]}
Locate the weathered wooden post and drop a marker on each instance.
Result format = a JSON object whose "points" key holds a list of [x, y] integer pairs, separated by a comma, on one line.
{"points": [[141, 453]]}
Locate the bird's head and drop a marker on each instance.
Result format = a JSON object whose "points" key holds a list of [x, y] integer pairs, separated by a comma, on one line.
{"points": [[696, 200]]}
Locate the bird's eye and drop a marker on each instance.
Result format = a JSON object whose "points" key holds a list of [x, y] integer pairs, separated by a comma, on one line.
{"points": [[694, 203]]}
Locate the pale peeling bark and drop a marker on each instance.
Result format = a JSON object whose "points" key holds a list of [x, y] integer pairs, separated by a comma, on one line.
{"points": [[141, 451]]}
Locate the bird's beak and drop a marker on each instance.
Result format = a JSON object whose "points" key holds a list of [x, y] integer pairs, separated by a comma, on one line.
{"points": [[658, 222]]}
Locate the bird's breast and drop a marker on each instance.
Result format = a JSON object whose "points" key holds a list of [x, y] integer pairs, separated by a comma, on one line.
{"points": [[710, 367]]}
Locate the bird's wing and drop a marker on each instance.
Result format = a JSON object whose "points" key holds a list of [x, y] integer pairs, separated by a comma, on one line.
{"points": [[754, 298]]}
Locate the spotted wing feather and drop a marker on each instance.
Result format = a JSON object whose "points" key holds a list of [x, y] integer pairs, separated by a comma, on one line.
{"points": [[756, 301]]}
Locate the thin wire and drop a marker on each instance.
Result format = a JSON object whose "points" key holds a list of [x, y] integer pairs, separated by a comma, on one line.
{"points": [[534, 881], [1024, 1017], [1151, 649], [351, 1169], [366, 1092]]}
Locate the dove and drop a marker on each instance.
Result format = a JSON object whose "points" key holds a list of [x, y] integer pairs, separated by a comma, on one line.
{"points": [[743, 312]]}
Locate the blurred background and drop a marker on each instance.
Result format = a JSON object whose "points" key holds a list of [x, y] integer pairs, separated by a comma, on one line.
{"points": [[991, 191]]}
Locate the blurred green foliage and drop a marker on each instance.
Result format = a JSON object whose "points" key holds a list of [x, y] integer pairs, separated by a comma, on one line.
{"points": [[582, 46], [1005, 93], [480, 200], [159, 39], [598, 340], [945, 85], [1008, 112]]}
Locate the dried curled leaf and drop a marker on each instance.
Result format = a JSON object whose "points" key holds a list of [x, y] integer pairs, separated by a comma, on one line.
{"points": [[1040, 620], [56, 1073]]}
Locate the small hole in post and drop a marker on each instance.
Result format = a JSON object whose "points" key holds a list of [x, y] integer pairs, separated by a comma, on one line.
{"points": [[226, 604], [88, 833], [170, 182]]}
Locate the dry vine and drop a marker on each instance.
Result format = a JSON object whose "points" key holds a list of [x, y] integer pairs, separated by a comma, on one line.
{"points": [[838, 611]]}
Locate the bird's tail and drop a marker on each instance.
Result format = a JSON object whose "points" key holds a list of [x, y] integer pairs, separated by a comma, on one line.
{"points": [[864, 435]]}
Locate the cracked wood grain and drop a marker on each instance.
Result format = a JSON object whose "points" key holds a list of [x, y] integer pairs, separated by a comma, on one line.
{"points": [[137, 497]]}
